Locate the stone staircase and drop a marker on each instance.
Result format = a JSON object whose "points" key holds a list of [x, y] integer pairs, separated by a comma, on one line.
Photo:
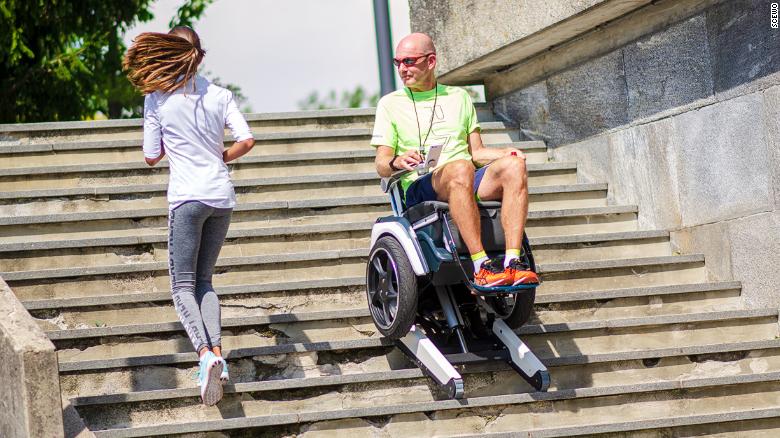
{"points": [[638, 341]]}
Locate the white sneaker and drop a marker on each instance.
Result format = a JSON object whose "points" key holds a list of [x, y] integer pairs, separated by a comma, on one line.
{"points": [[209, 377]]}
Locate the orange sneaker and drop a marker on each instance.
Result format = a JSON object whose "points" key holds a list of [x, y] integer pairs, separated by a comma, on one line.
{"points": [[491, 273], [520, 273]]}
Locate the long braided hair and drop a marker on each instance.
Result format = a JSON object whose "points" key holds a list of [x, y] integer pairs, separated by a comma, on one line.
{"points": [[163, 62]]}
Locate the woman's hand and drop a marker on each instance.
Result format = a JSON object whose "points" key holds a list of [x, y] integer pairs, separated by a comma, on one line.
{"points": [[239, 149], [154, 161]]}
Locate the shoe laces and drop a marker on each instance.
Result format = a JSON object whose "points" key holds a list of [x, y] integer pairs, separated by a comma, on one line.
{"points": [[493, 265], [519, 265]]}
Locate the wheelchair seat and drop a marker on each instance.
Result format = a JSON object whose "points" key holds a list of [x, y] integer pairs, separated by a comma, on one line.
{"points": [[427, 208], [493, 239]]}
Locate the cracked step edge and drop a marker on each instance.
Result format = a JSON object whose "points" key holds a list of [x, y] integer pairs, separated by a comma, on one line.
{"points": [[291, 205], [468, 403], [267, 182], [134, 268], [490, 127], [307, 347], [102, 300], [291, 158], [336, 315]]}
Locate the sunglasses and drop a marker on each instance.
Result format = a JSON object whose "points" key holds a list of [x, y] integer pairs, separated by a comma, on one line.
{"points": [[410, 60]]}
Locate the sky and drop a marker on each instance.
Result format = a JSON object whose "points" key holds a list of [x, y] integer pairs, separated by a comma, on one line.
{"points": [[280, 51]]}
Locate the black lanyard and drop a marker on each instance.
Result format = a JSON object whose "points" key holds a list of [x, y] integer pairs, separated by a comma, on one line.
{"points": [[417, 119]]}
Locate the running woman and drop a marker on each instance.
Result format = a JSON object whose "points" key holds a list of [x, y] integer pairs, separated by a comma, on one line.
{"points": [[185, 118]]}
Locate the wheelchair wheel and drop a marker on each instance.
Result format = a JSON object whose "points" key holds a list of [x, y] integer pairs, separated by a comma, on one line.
{"points": [[516, 309], [391, 288]]}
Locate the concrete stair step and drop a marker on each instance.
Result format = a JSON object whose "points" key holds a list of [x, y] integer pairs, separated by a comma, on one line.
{"points": [[259, 122], [98, 320], [138, 167], [396, 387], [131, 129], [294, 189], [587, 338], [570, 373], [320, 287], [356, 361], [127, 129], [155, 180], [334, 140], [351, 302], [350, 319], [657, 405], [762, 423], [492, 132], [648, 240], [323, 287], [272, 215], [584, 248], [245, 271]]}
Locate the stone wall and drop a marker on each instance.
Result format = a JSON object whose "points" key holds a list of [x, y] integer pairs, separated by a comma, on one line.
{"points": [[30, 404], [465, 30], [685, 123]]}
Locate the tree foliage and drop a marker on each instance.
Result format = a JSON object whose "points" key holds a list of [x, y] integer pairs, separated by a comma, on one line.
{"points": [[62, 59], [356, 98]]}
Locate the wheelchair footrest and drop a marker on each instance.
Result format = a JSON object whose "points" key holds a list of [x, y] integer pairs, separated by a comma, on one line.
{"points": [[495, 290]]}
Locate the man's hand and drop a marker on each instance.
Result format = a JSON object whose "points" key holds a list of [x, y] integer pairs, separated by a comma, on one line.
{"points": [[514, 151], [408, 160]]}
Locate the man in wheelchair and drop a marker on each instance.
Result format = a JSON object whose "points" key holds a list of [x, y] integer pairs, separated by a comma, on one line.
{"points": [[426, 115]]}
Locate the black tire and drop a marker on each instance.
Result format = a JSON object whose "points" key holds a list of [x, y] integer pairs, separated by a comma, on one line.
{"points": [[523, 300], [391, 288], [523, 306]]}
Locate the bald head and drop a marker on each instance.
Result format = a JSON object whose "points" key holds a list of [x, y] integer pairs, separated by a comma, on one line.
{"points": [[418, 50], [416, 44]]}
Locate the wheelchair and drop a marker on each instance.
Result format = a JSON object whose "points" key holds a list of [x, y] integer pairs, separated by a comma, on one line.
{"points": [[420, 294]]}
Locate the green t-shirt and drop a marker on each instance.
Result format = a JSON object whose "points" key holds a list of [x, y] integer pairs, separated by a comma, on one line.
{"points": [[455, 118]]}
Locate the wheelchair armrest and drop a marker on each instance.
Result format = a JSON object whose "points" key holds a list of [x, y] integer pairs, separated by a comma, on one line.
{"points": [[390, 182]]}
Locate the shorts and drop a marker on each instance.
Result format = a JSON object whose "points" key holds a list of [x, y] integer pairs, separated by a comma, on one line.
{"points": [[421, 189]]}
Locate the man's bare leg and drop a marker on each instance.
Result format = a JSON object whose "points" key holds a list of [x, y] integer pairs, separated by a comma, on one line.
{"points": [[507, 180], [454, 184]]}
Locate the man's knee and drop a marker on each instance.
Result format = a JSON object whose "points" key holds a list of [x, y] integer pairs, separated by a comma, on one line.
{"points": [[512, 170], [460, 175]]}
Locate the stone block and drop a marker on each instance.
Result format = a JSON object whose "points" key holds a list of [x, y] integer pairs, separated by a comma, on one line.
{"points": [[527, 108], [587, 99], [30, 390], [743, 46], [592, 156], [668, 69], [771, 124], [755, 257], [455, 24], [644, 173], [723, 161], [712, 240]]}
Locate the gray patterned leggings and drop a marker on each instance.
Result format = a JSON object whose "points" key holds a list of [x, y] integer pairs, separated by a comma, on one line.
{"points": [[195, 236]]}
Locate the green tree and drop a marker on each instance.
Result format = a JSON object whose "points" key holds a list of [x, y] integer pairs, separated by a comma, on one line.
{"points": [[62, 59], [356, 98]]}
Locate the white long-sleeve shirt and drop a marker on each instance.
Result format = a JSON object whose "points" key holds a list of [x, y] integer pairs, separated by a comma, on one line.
{"points": [[191, 125]]}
